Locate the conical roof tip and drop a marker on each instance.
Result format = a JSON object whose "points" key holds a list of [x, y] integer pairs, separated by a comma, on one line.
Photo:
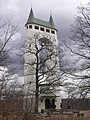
{"points": [[51, 21], [31, 16]]}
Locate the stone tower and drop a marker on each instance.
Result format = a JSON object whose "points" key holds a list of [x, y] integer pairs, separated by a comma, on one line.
{"points": [[41, 63]]}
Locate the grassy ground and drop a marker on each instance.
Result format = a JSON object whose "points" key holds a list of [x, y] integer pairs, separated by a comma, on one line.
{"points": [[51, 117], [59, 118]]}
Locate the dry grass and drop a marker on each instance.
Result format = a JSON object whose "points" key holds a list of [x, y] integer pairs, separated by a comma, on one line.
{"points": [[58, 117], [51, 117]]}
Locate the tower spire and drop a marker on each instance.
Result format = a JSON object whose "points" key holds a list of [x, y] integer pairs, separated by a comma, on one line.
{"points": [[51, 21], [31, 16]]}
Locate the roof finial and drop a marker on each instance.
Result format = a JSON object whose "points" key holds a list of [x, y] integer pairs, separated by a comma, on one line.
{"points": [[50, 12], [31, 4]]}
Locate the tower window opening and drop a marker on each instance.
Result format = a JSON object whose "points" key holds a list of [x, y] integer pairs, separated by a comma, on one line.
{"points": [[30, 26], [27, 27], [53, 32], [47, 30], [42, 29], [36, 27], [41, 100]]}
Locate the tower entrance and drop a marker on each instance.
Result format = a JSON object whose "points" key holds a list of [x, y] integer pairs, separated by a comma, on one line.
{"points": [[47, 104]]}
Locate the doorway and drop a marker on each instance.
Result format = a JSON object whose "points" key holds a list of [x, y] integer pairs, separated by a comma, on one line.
{"points": [[47, 104]]}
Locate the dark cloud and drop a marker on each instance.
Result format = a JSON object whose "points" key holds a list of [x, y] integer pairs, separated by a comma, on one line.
{"points": [[63, 13]]}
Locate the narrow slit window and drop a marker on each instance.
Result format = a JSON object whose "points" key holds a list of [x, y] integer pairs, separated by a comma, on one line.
{"points": [[36, 27], [53, 32], [47, 30], [30, 26], [42, 29], [27, 27]]}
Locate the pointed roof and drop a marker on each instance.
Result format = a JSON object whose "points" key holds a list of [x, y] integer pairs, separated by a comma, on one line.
{"points": [[51, 21], [31, 17], [33, 20], [47, 92]]}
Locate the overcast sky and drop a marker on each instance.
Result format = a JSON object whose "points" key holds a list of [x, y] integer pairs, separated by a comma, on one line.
{"points": [[63, 11]]}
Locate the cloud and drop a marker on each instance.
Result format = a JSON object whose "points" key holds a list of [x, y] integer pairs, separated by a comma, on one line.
{"points": [[13, 5]]}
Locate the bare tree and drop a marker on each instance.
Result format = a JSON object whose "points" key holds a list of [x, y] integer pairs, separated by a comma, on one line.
{"points": [[79, 47], [8, 29], [10, 89]]}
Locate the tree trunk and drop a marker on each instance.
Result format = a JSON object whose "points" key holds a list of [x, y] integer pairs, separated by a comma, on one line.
{"points": [[36, 100], [37, 88]]}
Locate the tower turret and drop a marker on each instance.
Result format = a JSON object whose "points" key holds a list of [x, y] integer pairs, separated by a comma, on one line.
{"points": [[51, 21], [31, 17]]}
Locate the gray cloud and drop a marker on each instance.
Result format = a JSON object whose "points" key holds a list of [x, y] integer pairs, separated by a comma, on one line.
{"points": [[63, 12]]}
